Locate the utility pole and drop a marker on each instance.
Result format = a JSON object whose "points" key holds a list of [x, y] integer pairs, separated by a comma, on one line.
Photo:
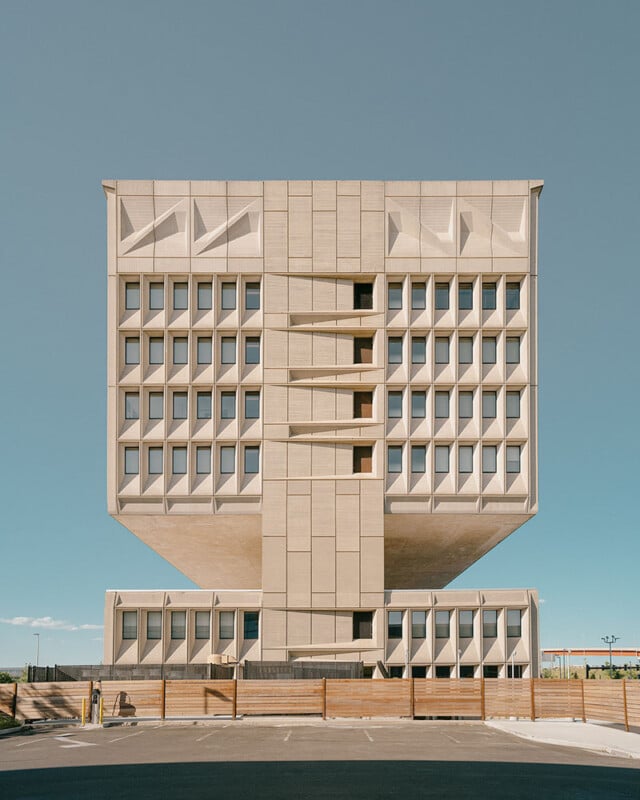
{"points": [[37, 635], [610, 640]]}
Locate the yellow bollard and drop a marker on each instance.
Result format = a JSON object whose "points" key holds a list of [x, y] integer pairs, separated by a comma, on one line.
{"points": [[84, 710], [101, 708]]}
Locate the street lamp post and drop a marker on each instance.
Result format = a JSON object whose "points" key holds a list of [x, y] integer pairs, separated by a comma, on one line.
{"points": [[610, 640], [37, 635]]}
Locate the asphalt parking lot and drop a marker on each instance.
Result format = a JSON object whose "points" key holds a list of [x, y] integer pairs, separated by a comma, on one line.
{"points": [[290, 759]]}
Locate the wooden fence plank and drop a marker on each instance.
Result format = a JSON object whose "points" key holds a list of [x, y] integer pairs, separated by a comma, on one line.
{"points": [[132, 698], [557, 699], [368, 698], [198, 698], [279, 697], [456, 697], [51, 700], [7, 694], [604, 700], [508, 697], [633, 703]]}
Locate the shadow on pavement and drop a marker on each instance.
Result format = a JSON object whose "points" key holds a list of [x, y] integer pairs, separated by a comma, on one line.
{"points": [[336, 780]]}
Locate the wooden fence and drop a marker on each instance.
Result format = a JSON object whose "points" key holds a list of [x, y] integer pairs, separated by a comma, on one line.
{"points": [[609, 701]]}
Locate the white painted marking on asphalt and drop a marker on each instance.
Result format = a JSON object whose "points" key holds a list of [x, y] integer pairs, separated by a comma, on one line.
{"points": [[451, 738], [71, 742], [368, 735], [206, 736], [120, 738], [29, 741], [286, 738]]}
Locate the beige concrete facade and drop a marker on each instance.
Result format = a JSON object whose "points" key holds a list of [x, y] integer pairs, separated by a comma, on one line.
{"points": [[324, 391]]}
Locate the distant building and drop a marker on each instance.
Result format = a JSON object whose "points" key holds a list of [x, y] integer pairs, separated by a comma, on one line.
{"points": [[322, 409]]}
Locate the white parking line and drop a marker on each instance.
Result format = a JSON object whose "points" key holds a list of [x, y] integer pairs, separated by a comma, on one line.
{"points": [[451, 738], [206, 736], [120, 738], [286, 738], [368, 735]]}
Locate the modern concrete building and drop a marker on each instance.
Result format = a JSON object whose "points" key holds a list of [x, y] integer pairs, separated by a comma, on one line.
{"points": [[322, 409]]}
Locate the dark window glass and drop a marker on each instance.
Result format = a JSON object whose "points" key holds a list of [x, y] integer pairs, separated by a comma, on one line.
{"points": [[252, 296], [363, 405], [395, 671], [514, 622], [442, 624], [513, 458], [156, 403], [442, 349], [252, 405], [226, 624], [442, 458], [132, 296], [419, 350], [394, 405], [228, 296], [204, 350], [156, 296], [418, 296], [465, 405], [178, 624], [418, 671], [227, 460], [362, 458], [129, 624], [418, 404], [465, 624], [252, 350], [251, 460], [418, 625], [394, 296], [132, 350], [515, 670], [156, 350], [465, 296], [131, 461], [203, 410], [490, 671], [179, 460], [489, 405], [443, 672], [465, 458], [203, 460], [363, 296], [155, 461], [488, 296], [488, 349], [363, 624], [442, 296], [180, 350], [442, 405], [205, 300], [132, 405], [418, 458], [203, 624], [180, 296], [513, 350], [227, 405], [467, 671], [489, 623], [180, 410], [394, 350], [513, 296], [363, 350], [251, 624], [513, 405], [228, 350], [154, 624], [394, 458], [465, 350], [489, 458]]}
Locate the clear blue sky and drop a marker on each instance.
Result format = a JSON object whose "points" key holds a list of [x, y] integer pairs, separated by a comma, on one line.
{"points": [[301, 89]]}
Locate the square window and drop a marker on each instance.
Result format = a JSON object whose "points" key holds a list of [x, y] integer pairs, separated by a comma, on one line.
{"points": [[252, 350], [131, 461], [418, 624], [252, 405], [465, 350], [394, 296], [227, 405], [442, 405], [394, 624], [363, 296], [465, 296], [490, 671], [418, 671], [418, 404], [180, 296], [251, 460], [442, 458], [228, 350], [227, 624], [180, 410], [442, 349], [204, 350], [205, 296], [180, 350], [132, 296], [513, 296], [362, 350], [203, 624], [178, 624], [362, 625], [156, 403], [489, 623], [394, 350], [132, 350], [515, 670], [465, 624], [227, 460], [362, 459], [179, 460], [395, 671], [251, 625], [419, 350], [156, 296], [489, 405], [489, 458], [488, 349], [467, 671], [394, 458], [465, 459], [394, 405], [442, 296], [443, 624], [488, 296], [203, 405], [465, 405], [155, 461], [513, 458], [156, 350], [131, 405], [514, 623], [228, 296], [203, 460], [513, 350], [418, 296], [154, 625], [363, 405], [252, 296], [513, 405], [443, 671], [418, 458], [129, 624]]}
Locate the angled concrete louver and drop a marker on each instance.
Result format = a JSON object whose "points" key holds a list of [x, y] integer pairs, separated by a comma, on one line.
{"points": [[241, 224], [166, 224], [425, 227]]}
